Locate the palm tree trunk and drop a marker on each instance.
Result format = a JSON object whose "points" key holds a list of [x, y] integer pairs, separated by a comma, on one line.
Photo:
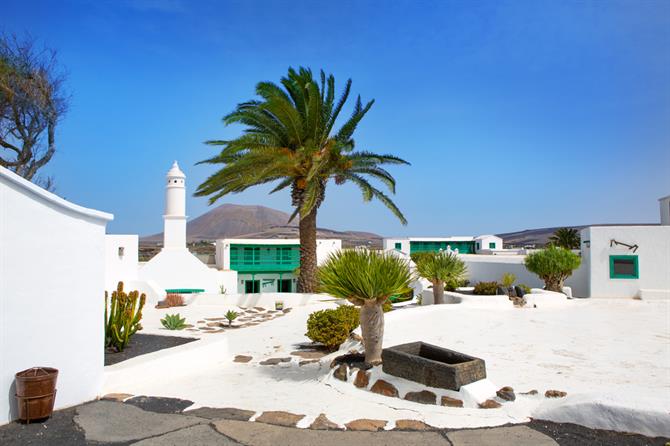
{"points": [[307, 281], [372, 331], [438, 292]]}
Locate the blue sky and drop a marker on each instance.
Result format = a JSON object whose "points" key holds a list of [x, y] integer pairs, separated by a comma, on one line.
{"points": [[514, 114]]}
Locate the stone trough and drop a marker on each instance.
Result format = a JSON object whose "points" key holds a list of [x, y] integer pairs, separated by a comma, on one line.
{"points": [[432, 365]]}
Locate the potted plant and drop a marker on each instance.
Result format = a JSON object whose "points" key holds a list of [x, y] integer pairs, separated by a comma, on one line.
{"points": [[279, 305]]}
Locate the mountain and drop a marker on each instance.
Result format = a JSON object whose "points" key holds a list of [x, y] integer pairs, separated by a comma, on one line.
{"points": [[241, 221], [540, 237]]}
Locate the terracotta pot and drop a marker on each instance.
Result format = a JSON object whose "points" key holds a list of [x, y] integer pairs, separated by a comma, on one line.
{"points": [[36, 392]]}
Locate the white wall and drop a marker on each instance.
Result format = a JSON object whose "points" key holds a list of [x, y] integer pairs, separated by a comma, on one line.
{"points": [[389, 244], [491, 268], [52, 278], [120, 267], [653, 260], [664, 205]]}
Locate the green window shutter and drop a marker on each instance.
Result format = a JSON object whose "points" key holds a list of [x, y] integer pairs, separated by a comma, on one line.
{"points": [[624, 267], [492, 245], [398, 246]]}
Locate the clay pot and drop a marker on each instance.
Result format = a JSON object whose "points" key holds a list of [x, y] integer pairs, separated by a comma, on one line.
{"points": [[36, 393]]}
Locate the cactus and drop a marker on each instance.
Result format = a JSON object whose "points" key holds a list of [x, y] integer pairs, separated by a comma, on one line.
{"points": [[123, 313]]}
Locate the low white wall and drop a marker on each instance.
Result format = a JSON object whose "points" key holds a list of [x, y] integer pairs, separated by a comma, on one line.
{"points": [[51, 303], [482, 268]]}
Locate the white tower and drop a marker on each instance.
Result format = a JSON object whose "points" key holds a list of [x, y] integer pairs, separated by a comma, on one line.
{"points": [[174, 233]]}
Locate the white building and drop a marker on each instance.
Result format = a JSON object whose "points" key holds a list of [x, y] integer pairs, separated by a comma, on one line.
{"points": [[484, 244], [52, 283], [628, 261], [267, 265], [174, 267]]}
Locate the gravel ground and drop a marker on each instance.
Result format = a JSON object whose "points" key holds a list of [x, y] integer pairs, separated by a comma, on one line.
{"points": [[568, 434], [141, 344]]}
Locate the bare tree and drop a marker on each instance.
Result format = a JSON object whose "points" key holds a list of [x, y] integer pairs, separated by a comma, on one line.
{"points": [[32, 102]]}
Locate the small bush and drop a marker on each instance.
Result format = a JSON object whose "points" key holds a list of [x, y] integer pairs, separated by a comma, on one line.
{"points": [[174, 300], [332, 327], [231, 316], [173, 322], [485, 288], [553, 265], [508, 280], [524, 287]]}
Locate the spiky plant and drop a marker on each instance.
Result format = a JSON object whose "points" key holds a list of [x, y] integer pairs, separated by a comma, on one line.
{"points": [[230, 316], [174, 322], [567, 238], [440, 268], [366, 279], [290, 139]]}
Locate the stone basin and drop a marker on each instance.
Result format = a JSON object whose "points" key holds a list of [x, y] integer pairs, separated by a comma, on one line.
{"points": [[432, 365]]}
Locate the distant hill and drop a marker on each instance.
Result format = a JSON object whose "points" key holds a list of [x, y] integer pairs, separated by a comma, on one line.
{"points": [[241, 221], [540, 237]]}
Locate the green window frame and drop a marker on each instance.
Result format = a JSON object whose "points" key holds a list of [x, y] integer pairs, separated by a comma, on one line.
{"points": [[492, 245], [636, 267], [398, 246]]}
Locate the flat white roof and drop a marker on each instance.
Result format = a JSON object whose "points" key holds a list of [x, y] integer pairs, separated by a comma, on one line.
{"points": [[454, 238], [270, 241]]}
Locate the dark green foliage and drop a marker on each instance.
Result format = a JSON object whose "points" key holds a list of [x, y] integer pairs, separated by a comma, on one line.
{"points": [[363, 275], [387, 306], [567, 238], [525, 288], [173, 322], [290, 139], [332, 327], [486, 288], [123, 313], [553, 265]]}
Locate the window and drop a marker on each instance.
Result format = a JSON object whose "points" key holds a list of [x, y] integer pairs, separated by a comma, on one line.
{"points": [[252, 286], [398, 246], [492, 245], [624, 267], [477, 246]]}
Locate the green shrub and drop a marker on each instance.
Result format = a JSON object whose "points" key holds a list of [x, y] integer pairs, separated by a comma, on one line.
{"points": [[553, 265], [332, 327], [486, 288], [173, 322], [524, 287], [231, 316], [508, 280], [123, 313]]}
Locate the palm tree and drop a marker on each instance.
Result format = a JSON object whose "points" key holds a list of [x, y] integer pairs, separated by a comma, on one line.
{"points": [[567, 238], [366, 279], [440, 268], [290, 139]]}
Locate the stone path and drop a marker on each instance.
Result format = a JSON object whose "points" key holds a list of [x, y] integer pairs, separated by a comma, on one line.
{"points": [[246, 317], [160, 421]]}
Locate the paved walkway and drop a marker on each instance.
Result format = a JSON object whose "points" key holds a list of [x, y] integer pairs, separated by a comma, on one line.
{"points": [[160, 422]]}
